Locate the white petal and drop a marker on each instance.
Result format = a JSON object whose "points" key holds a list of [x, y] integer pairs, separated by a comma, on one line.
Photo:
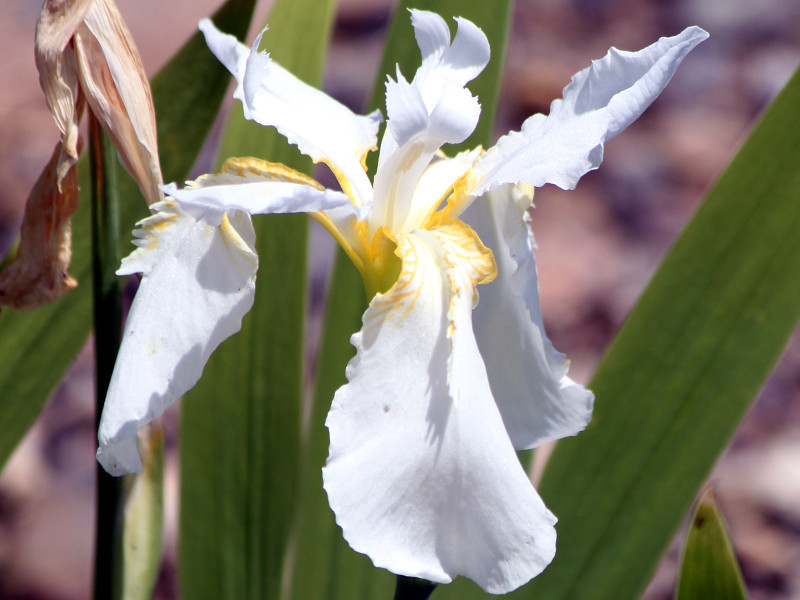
{"points": [[434, 109], [257, 187], [321, 127], [598, 104], [421, 474], [198, 281], [399, 173], [229, 51], [460, 62], [537, 400]]}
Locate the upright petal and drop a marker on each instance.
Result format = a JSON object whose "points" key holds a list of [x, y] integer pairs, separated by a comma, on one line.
{"points": [[460, 62], [198, 281], [412, 139], [434, 109], [421, 474], [321, 127], [528, 377], [600, 102]]}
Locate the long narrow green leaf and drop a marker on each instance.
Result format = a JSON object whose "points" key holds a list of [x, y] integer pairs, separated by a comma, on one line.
{"points": [[240, 433], [325, 566], [682, 372], [709, 568], [37, 347]]}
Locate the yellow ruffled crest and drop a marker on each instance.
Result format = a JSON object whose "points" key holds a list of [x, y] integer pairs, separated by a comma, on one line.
{"points": [[148, 234], [464, 252], [246, 166], [400, 298], [461, 259]]}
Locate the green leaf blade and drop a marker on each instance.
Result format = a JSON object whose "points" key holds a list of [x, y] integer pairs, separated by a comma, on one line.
{"points": [[682, 372], [240, 462]]}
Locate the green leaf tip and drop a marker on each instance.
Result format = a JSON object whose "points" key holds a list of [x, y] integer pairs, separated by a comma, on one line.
{"points": [[709, 568]]}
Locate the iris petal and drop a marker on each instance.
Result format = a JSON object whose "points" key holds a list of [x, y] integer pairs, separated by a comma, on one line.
{"points": [[538, 401], [259, 188], [320, 126], [600, 102], [434, 109], [421, 474], [198, 281]]}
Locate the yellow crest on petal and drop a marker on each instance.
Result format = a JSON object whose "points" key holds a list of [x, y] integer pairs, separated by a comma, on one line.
{"points": [[466, 254], [246, 167], [456, 257]]}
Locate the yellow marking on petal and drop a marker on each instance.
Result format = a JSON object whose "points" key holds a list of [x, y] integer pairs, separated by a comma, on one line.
{"points": [[465, 252], [459, 200], [470, 263], [352, 254], [273, 171], [466, 264], [399, 300], [231, 235], [363, 156], [151, 227], [381, 262], [148, 233], [344, 183], [154, 344]]}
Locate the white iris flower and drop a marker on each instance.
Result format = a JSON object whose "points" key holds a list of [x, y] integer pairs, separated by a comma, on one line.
{"points": [[422, 473]]}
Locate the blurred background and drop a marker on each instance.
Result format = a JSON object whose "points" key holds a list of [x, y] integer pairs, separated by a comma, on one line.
{"points": [[598, 246]]}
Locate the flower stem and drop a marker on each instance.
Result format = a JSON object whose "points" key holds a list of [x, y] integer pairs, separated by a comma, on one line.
{"points": [[107, 332], [411, 588]]}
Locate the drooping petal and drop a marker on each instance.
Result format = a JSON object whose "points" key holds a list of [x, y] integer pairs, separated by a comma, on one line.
{"points": [[528, 377], [321, 127], [598, 104], [198, 281], [39, 272], [257, 187], [114, 82], [421, 474], [434, 109]]}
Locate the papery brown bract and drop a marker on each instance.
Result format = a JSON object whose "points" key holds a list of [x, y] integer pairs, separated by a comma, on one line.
{"points": [[38, 275], [85, 54]]}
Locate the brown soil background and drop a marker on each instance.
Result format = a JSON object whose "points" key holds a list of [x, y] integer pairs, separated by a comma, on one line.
{"points": [[598, 246]]}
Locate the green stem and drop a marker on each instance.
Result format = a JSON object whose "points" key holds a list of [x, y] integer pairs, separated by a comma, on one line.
{"points": [[411, 588], [107, 334]]}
